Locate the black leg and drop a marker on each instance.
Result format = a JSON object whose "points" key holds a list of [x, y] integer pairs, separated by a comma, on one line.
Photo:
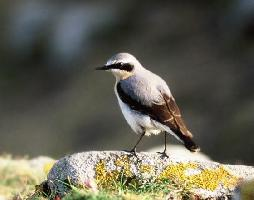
{"points": [[133, 150], [164, 153], [165, 142]]}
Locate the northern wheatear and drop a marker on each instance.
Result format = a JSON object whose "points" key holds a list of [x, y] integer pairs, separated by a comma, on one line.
{"points": [[146, 101]]}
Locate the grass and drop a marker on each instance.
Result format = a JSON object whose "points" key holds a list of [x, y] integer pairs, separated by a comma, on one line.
{"points": [[81, 194], [123, 193], [126, 189], [18, 176]]}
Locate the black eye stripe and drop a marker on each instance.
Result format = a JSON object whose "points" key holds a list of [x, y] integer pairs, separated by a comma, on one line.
{"points": [[123, 66], [127, 67]]}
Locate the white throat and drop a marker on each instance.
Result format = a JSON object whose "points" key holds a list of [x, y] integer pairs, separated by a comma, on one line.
{"points": [[120, 74]]}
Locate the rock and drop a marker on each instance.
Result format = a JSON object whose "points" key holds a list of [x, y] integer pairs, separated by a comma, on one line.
{"points": [[180, 151], [201, 179]]}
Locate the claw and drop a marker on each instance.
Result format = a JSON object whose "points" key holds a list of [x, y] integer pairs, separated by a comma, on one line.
{"points": [[132, 152], [163, 154]]}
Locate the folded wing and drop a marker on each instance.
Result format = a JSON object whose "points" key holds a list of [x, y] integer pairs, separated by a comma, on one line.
{"points": [[165, 112]]}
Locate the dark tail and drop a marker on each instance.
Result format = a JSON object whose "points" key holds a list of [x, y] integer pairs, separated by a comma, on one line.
{"points": [[188, 142]]}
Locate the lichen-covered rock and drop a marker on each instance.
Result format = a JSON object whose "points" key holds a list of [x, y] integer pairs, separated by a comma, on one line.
{"points": [[180, 151], [97, 170]]}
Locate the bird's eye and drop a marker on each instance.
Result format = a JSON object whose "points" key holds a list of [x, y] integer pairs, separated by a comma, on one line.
{"points": [[127, 67]]}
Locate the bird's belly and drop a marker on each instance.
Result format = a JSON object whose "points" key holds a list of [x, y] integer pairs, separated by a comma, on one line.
{"points": [[137, 121]]}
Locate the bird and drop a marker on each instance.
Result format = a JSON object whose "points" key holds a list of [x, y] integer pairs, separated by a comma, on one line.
{"points": [[146, 102]]}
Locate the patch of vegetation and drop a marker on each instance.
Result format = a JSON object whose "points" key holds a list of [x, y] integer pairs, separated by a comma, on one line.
{"points": [[82, 194], [247, 190], [18, 176], [122, 190], [125, 189], [126, 184]]}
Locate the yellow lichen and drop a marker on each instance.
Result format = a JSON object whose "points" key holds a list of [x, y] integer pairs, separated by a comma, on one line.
{"points": [[101, 173], [176, 171], [48, 165], [189, 175], [108, 179], [146, 168], [208, 179], [124, 163]]}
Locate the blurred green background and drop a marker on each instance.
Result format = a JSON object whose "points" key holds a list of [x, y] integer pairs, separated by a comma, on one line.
{"points": [[53, 102]]}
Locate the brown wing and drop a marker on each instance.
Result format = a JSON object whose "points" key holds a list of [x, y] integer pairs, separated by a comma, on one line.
{"points": [[167, 112], [175, 117]]}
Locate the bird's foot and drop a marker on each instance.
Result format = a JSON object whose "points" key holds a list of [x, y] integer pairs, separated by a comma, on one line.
{"points": [[163, 154], [132, 152]]}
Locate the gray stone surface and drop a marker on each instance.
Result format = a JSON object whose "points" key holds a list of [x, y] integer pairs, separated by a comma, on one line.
{"points": [[180, 151], [204, 178]]}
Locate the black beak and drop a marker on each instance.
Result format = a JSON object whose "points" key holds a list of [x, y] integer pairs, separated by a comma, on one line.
{"points": [[102, 68]]}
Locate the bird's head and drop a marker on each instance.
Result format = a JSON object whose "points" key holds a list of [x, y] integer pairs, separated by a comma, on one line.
{"points": [[122, 65]]}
